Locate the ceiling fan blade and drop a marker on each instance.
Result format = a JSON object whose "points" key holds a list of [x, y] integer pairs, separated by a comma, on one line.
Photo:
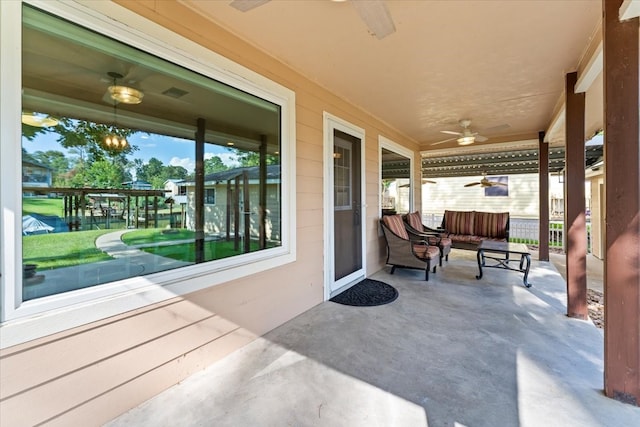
{"points": [[428, 181], [492, 183], [450, 132], [471, 184], [480, 138], [442, 142], [376, 16], [246, 5]]}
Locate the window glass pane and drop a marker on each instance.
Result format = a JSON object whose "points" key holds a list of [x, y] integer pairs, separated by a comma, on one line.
{"points": [[112, 184], [396, 182]]}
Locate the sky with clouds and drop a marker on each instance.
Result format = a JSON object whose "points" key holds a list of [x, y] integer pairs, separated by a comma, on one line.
{"points": [[169, 150]]}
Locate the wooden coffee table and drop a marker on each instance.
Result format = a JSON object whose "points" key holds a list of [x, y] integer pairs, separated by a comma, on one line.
{"points": [[502, 251]]}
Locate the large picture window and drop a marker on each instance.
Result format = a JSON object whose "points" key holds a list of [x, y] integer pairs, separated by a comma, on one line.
{"points": [[134, 165]]}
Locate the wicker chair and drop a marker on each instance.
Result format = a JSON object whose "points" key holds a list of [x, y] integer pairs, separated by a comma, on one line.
{"points": [[406, 249], [434, 237]]}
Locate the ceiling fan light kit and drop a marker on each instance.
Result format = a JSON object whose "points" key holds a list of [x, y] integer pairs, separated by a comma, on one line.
{"points": [[466, 140], [121, 93], [125, 94], [39, 120], [466, 137]]}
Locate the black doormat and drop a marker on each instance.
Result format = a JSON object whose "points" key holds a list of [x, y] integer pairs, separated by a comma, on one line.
{"points": [[367, 293]]}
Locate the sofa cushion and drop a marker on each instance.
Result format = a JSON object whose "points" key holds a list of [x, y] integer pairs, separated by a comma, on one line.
{"points": [[465, 238], [396, 225], [459, 222], [491, 224], [414, 219]]}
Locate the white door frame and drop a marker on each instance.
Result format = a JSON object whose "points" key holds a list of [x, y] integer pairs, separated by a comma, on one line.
{"points": [[330, 123]]}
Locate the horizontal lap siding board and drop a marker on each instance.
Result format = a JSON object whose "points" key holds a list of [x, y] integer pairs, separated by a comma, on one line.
{"points": [[80, 384]]}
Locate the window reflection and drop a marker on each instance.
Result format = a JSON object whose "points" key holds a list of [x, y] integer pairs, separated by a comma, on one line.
{"points": [[193, 175], [396, 183]]}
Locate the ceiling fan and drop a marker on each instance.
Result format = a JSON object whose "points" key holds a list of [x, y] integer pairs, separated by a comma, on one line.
{"points": [[484, 183], [374, 13], [466, 137], [424, 181]]}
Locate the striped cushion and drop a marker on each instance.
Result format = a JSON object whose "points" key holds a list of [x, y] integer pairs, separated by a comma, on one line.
{"points": [[491, 224], [396, 225], [465, 238], [426, 252], [415, 220], [458, 222]]}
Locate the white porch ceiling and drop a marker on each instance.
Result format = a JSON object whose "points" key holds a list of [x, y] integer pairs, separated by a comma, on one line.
{"points": [[495, 62]]}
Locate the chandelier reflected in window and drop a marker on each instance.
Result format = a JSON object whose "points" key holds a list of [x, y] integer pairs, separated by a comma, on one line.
{"points": [[127, 95]]}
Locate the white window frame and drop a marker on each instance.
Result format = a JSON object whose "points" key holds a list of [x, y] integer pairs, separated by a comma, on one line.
{"points": [[24, 321], [384, 142]]}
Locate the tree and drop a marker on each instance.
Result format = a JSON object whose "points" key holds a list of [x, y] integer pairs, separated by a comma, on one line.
{"points": [[175, 172], [57, 162], [87, 138], [213, 165], [106, 174], [150, 170], [252, 158]]}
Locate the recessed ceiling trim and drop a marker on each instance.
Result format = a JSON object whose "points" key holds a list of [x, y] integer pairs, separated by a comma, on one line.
{"points": [[629, 9], [591, 71], [489, 148], [556, 123]]}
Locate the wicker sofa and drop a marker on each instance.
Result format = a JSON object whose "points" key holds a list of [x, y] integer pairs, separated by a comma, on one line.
{"points": [[467, 229]]}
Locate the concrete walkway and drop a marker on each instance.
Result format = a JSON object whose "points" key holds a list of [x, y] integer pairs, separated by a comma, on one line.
{"points": [[595, 269], [128, 262], [451, 352]]}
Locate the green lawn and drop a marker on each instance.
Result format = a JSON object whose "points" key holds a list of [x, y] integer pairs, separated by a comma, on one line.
{"points": [[49, 207], [154, 235], [215, 249], [63, 249]]}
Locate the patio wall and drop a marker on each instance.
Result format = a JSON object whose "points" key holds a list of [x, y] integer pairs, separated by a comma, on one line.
{"points": [[91, 374]]}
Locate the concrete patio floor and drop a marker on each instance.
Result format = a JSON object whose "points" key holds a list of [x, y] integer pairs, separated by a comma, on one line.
{"points": [[454, 351]]}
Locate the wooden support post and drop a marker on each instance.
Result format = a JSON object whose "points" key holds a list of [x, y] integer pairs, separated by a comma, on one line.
{"points": [[246, 212], [262, 204], [622, 216], [574, 213], [236, 215], [229, 204], [146, 211], [199, 191], [543, 177], [155, 211]]}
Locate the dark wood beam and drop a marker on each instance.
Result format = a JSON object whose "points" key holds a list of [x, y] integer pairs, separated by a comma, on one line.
{"points": [[199, 191], [575, 219], [543, 192], [622, 211]]}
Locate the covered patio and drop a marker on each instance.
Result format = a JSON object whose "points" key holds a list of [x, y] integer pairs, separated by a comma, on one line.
{"points": [[455, 351], [257, 342]]}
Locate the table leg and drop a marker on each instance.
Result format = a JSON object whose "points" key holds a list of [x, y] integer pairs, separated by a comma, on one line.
{"points": [[527, 258], [480, 256]]}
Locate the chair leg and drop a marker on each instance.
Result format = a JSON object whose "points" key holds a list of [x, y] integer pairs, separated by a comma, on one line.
{"points": [[393, 269], [441, 258], [426, 271]]}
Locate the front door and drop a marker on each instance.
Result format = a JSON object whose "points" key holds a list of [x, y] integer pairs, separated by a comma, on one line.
{"points": [[345, 228], [347, 217]]}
